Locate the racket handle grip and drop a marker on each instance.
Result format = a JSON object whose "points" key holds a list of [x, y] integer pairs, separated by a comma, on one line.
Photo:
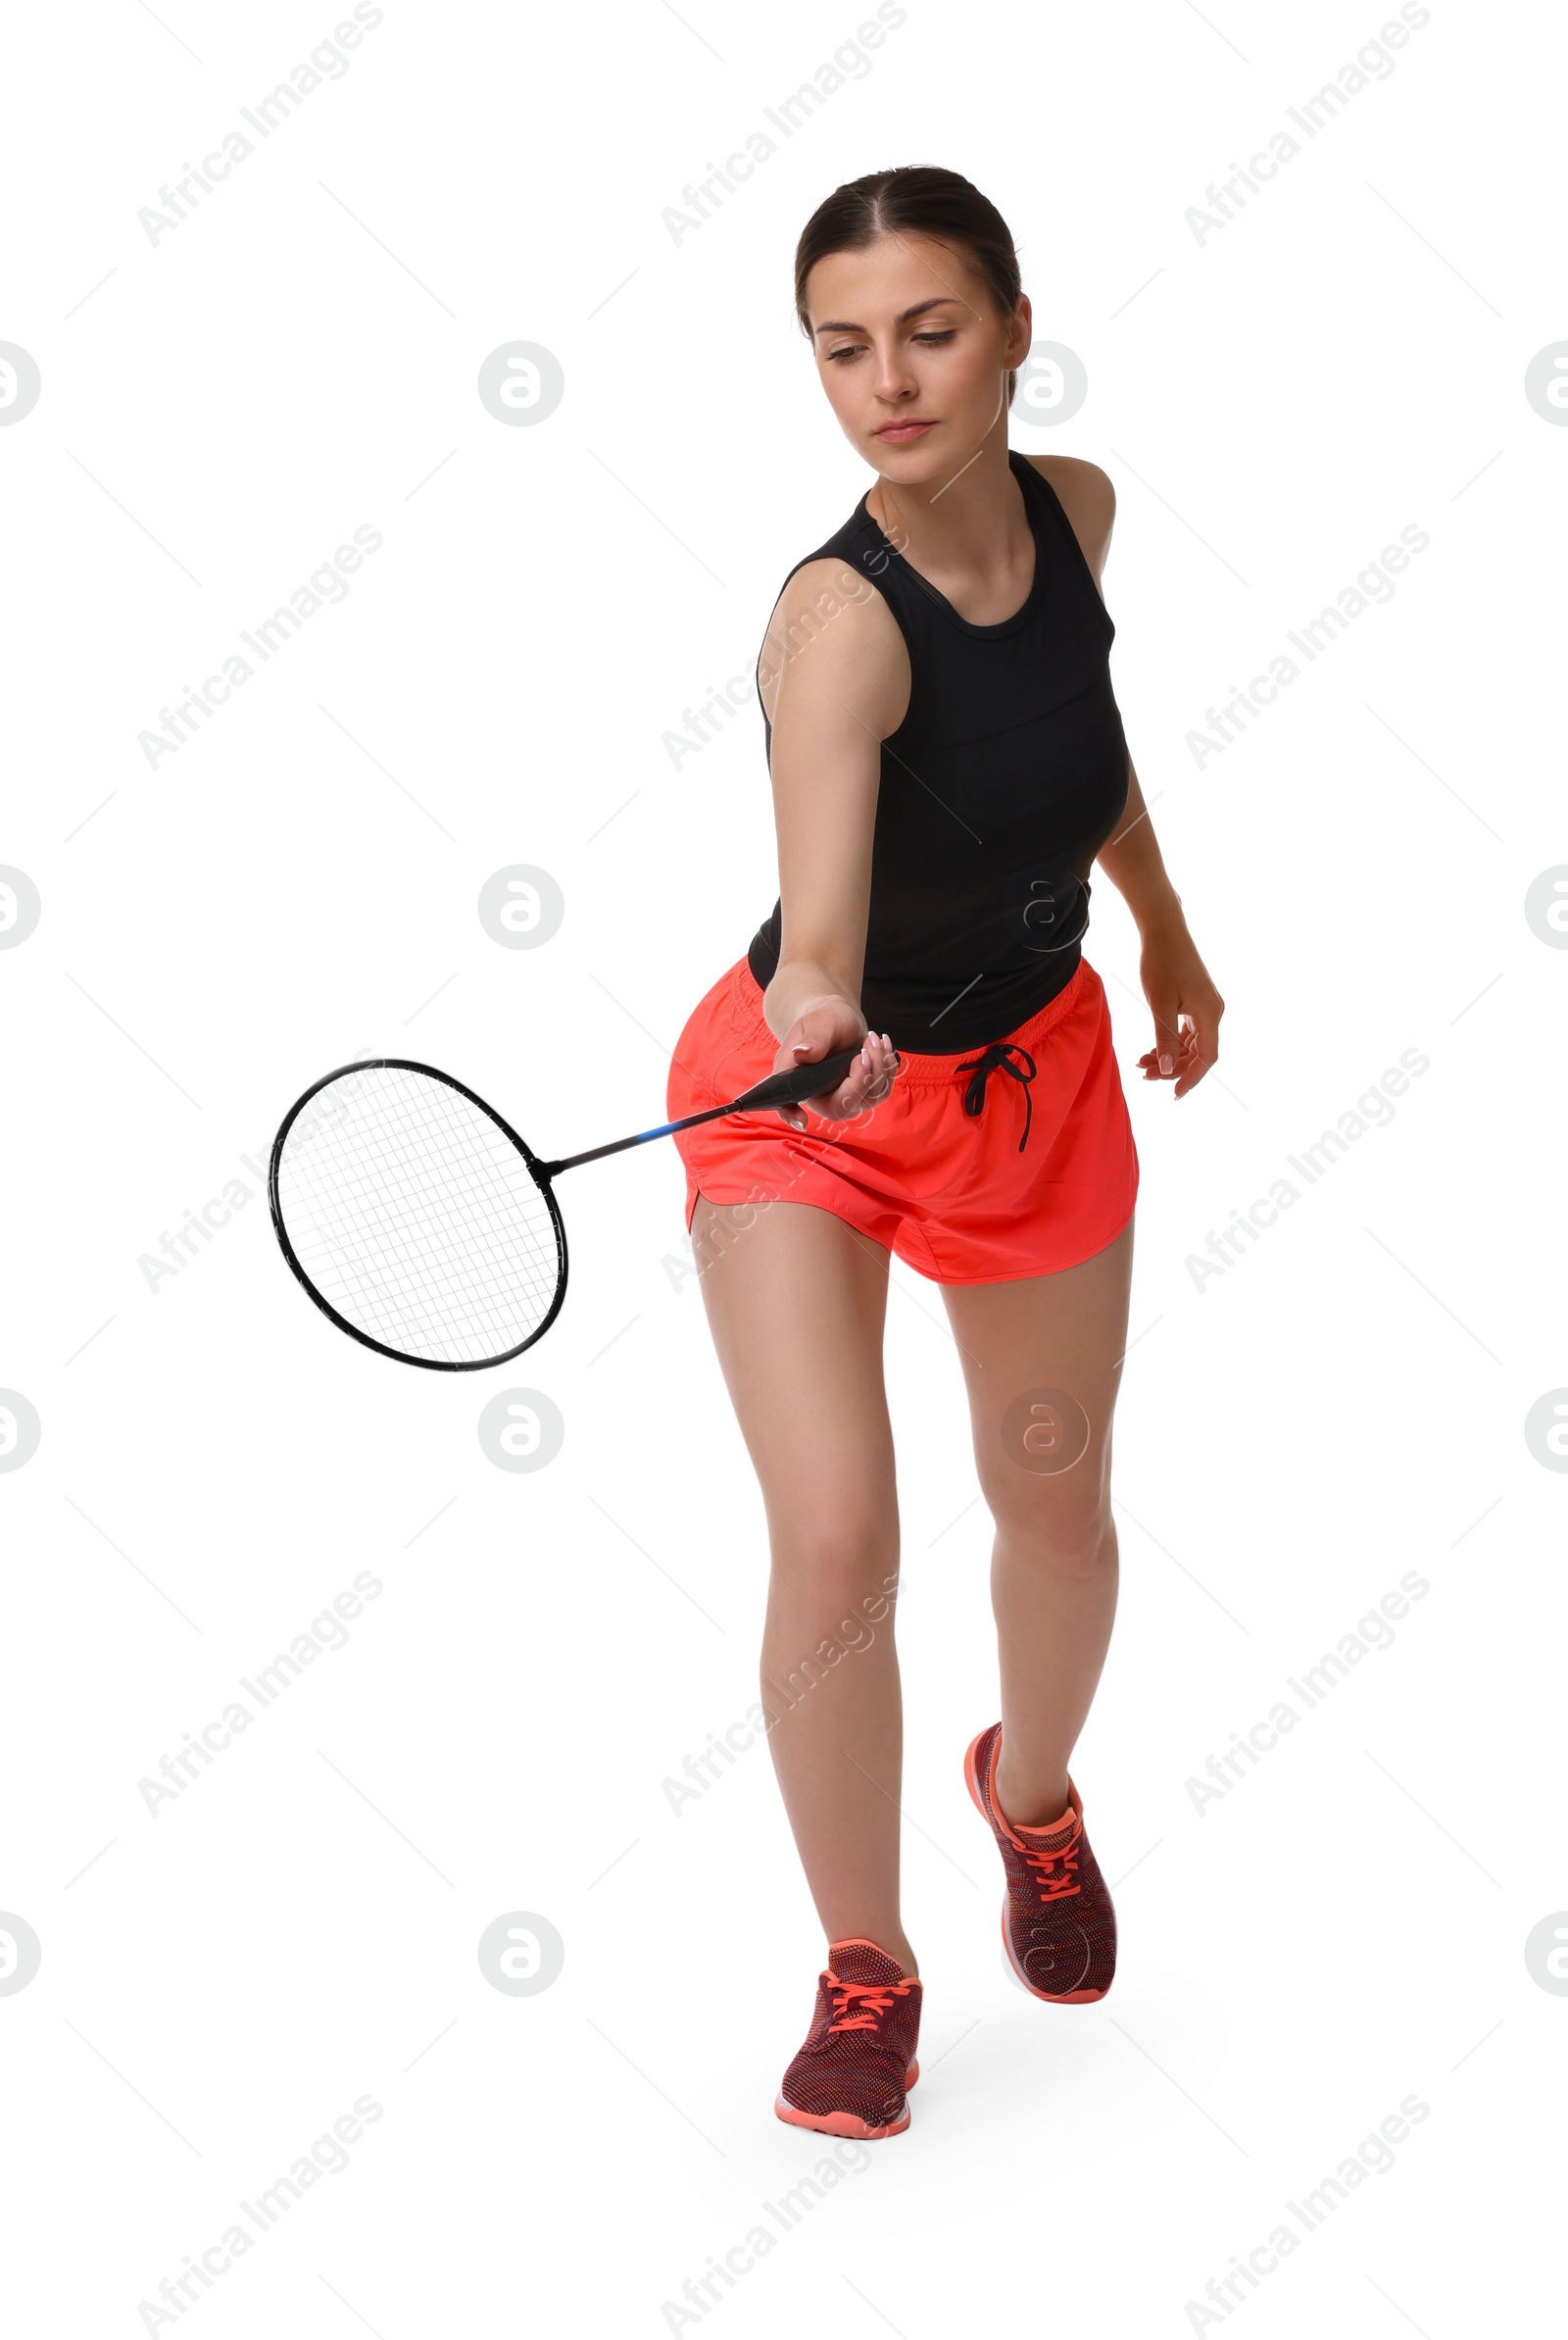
{"points": [[791, 1087]]}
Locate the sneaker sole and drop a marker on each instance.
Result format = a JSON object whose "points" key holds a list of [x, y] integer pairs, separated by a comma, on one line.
{"points": [[971, 1782], [845, 2124]]}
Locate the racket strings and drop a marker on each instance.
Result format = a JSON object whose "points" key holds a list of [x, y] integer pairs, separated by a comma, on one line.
{"points": [[425, 1164], [415, 1217], [463, 1213], [424, 1235]]}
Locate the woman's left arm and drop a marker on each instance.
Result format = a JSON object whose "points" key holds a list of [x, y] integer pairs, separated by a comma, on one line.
{"points": [[1178, 986], [1182, 998]]}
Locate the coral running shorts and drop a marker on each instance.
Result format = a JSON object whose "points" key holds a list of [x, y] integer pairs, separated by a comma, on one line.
{"points": [[935, 1172]]}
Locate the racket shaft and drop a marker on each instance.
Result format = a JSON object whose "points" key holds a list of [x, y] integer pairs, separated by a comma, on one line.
{"points": [[790, 1088]]}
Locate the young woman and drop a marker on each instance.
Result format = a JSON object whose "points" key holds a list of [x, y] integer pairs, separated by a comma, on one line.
{"points": [[948, 763]]}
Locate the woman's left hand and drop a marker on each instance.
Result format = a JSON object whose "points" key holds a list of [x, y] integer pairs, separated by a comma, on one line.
{"points": [[1186, 1007]]}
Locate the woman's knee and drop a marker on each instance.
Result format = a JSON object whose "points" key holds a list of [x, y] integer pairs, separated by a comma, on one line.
{"points": [[844, 1555], [1067, 1531]]}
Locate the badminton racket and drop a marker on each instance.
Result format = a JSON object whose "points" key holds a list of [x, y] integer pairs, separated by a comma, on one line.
{"points": [[422, 1224]]}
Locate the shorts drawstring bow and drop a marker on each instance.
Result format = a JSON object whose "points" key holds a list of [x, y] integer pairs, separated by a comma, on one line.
{"points": [[998, 1057]]}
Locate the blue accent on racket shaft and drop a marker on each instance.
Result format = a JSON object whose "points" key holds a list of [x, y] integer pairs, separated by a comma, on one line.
{"points": [[778, 1089]]}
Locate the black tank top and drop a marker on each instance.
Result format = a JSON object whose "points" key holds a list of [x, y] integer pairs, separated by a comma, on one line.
{"points": [[1006, 776]]}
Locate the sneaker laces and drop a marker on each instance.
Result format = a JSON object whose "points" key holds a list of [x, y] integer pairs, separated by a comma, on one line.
{"points": [[1065, 1861], [872, 2002]]}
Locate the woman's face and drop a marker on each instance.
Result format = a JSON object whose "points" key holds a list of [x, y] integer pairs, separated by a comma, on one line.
{"points": [[906, 333]]}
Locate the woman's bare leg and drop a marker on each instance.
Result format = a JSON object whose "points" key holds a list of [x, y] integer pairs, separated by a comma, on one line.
{"points": [[797, 1299], [1025, 1346]]}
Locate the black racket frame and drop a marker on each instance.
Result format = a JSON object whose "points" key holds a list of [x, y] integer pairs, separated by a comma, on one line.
{"points": [[434, 1364], [790, 1088]]}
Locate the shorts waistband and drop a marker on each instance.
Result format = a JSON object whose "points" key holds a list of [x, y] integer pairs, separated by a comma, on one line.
{"points": [[921, 1069]]}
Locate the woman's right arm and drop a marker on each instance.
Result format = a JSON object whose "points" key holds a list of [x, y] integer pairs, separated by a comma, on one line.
{"points": [[835, 681]]}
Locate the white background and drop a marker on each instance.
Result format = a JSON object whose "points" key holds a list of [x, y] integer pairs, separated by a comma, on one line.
{"points": [[221, 409]]}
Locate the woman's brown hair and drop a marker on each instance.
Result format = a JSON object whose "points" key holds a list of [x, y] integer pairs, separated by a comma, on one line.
{"points": [[918, 200]]}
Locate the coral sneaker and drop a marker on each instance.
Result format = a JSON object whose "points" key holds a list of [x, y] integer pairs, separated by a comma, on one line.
{"points": [[1059, 1928], [859, 2058]]}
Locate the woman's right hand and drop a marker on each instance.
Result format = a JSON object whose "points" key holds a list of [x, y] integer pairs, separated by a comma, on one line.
{"points": [[822, 1028]]}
